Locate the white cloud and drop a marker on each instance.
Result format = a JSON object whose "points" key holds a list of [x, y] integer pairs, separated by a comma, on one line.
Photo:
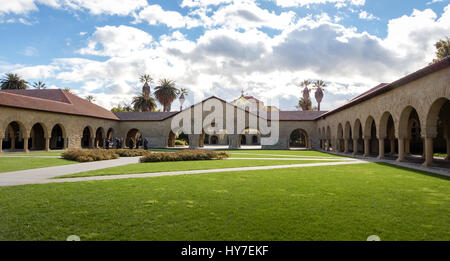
{"points": [[339, 3], [367, 16], [155, 15], [17, 6], [203, 3], [29, 51]]}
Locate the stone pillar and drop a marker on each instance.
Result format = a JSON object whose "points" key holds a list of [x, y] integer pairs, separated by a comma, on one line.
{"points": [[428, 149], [13, 143], [381, 148], [407, 146], [1, 145], [355, 146], [47, 144], [65, 143], [401, 150], [346, 143], [25, 145], [392, 152], [92, 143], [366, 147], [234, 141], [448, 149]]}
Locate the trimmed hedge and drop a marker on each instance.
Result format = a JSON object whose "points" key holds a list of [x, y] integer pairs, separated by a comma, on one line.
{"points": [[184, 155], [101, 154], [89, 155]]}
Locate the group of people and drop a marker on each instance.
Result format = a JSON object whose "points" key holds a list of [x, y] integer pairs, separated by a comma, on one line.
{"points": [[118, 143]]}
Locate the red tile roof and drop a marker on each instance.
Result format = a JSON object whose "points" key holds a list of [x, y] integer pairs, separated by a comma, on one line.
{"points": [[53, 100], [144, 116]]}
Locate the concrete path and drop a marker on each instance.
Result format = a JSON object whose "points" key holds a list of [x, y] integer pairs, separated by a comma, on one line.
{"points": [[34, 176], [190, 172], [293, 159]]}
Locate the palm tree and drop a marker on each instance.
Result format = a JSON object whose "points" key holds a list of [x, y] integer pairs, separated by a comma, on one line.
{"points": [[90, 98], [13, 82], [305, 105], [68, 90], [319, 85], [442, 49], [145, 78], [305, 84], [142, 103], [39, 85], [122, 108], [166, 93]]}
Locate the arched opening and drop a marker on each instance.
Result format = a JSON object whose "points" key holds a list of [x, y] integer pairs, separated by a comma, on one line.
{"points": [[133, 139], [183, 138], [348, 137], [387, 134], [110, 134], [299, 139], [171, 140], [37, 137], [57, 138], [99, 138], [86, 139], [255, 140], [320, 138], [328, 145], [13, 137], [206, 139], [438, 127], [371, 145], [214, 140], [410, 133], [340, 138], [243, 140], [358, 142]]}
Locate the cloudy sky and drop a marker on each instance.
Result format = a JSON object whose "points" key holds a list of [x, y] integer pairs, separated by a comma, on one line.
{"points": [[219, 47]]}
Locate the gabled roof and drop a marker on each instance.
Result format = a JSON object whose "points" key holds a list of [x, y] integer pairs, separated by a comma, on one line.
{"points": [[53, 100], [385, 87], [144, 116]]}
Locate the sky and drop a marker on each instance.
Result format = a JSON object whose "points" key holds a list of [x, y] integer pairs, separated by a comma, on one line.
{"points": [[219, 47]]}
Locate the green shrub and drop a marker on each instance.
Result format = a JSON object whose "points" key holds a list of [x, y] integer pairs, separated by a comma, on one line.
{"points": [[89, 155], [131, 153], [180, 143], [184, 155]]}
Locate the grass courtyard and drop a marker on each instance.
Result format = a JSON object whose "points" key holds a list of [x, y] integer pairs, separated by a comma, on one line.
{"points": [[348, 202], [8, 164]]}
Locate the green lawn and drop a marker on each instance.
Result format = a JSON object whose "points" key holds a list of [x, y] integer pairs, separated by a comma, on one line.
{"points": [[323, 203], [185, 165], [284, 152], [34, 153], [22, 163]]}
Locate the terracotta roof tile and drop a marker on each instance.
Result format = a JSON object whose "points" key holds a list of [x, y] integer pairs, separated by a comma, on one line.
{"points": [[53, 100], [144, 116]]}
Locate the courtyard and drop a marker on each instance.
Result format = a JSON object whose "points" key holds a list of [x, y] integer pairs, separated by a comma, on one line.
{"points": [[263, 196]]}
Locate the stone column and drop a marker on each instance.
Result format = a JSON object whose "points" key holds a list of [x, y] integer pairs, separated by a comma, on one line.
{"points": [[380, 148], [13, 143], [448, 149], [346, 143], [1, 145], [392, 152], [234, 141], [25, 145], [65, 143], [428, 149], [407, 146], [366, 147], [47, 144], [355, 146], [92, 143], [401, 150]]}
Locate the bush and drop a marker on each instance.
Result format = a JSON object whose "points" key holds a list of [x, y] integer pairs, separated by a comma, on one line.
{"points": [[180, 143], [89, 155], [184, 155], [131, 153]]}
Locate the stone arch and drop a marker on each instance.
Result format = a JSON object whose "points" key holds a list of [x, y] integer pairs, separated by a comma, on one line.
{"points": [[358, 142], [214, 140], [99, 138], [348, 137], [110, 134], [132, 140], [299, 138], [371, 143], [438, 127], [58, 137], [38, 136], [14, 135], [87, 137]]}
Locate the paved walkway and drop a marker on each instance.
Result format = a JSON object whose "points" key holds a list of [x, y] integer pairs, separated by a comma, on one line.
{"points": [[35, 176], [190, 172]]}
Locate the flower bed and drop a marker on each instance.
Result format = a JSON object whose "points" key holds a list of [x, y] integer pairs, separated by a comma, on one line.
{"points": [[132, 153], [184, 155], [89, 155]]}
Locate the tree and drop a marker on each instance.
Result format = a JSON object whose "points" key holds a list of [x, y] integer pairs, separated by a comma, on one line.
{"points": [[142, 103], [122, 108], [145, 78], [39, 85], [166, 93], [306, 91], [90, 98], [13, 82], [319, 85], [442, 49], [305, 105], [68, 90]]}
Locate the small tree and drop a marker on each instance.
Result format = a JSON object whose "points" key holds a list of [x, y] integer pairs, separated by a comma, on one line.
{"points": [[12, 81], [442, 49], [39, 85]]}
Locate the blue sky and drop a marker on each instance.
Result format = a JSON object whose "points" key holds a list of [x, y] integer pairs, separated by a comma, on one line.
{"points": [[100, 47]]}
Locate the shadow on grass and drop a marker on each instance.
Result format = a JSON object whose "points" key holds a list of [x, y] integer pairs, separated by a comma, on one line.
{"points": [[421, 172]]}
